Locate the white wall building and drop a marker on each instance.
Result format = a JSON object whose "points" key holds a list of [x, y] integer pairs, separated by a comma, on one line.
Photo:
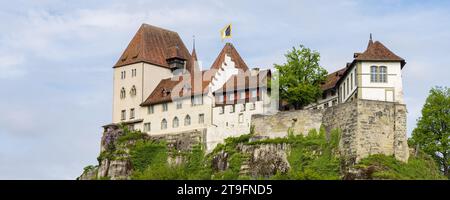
{"points": [[159, 89], [375, 74]]}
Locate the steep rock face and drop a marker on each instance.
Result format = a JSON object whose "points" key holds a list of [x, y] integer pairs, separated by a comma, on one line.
{"points": [[114, 159], [265, 160], [259, 160], [220, 161], [89, 174]]}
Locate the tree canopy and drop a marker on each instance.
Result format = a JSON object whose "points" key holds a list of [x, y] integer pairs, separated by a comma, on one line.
{"points": [[432, 134], [300, 77]]}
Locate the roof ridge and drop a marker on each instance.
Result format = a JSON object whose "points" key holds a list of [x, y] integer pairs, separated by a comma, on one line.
{"points": [[231, 51], [157, 27]]}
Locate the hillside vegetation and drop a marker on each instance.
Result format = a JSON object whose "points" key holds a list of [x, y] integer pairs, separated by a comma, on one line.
{"points": [[311, 157]]}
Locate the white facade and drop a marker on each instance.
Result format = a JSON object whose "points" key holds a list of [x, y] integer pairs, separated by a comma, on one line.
{"points": [[375, 74], [144, 78], [180, 115], [389, 90], [363, 83]]}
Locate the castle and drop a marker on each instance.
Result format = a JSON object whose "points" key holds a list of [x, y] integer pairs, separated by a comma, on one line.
{"points": [[159, 88]]}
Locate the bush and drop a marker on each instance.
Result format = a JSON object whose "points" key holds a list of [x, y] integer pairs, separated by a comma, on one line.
{"points": [[421, 167], [148, 153]]}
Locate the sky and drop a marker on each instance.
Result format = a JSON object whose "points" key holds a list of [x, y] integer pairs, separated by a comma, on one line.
{"points": [[56, 60]]}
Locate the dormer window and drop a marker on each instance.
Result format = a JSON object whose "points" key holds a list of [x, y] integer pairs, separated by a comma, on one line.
{"points": [[186, 89], [165, 92], [175, 61]]}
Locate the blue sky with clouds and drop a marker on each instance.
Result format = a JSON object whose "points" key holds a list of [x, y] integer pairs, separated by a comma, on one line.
{"points": [[56, 60]]}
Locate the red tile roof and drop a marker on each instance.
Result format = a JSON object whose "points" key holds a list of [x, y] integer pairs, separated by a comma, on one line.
{"points": [[332, 79], [229, 50], [172, 88], [376, 51], [154, 45]]}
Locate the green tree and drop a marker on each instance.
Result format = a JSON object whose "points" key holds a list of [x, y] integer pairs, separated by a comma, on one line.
{"points": [[300, 77], [432, 133]]}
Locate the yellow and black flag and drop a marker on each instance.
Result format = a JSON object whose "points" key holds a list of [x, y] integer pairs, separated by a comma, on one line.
{"points": [[226, 32]]}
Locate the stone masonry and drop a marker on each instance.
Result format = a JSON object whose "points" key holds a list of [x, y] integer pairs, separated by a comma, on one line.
{"points": [[367, 127]]}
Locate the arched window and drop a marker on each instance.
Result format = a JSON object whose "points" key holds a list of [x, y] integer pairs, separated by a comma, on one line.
{"points": [[122, 93], [187, 120], [383, 74], [373, 73], [133, 91], [175, 122], [163, 124]]}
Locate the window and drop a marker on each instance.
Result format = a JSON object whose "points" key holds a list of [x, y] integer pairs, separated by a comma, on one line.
{"points": [[351, 81], [175, 122], [164, 107], [179, 104], [221, 110], [242, 94], [348, 85], [147, 127], [378, 74], [232, 108], [197, 100], [132, 113], [123, 115], [231, 96], [133, 73], [373, 73], [253, 93], [131, 127], [150, 109], [383, 74], [133, 91], [345, 91], [241, 118], [243, 107], [187, 120], [163, 124], [201, 118], [122, 93], [122, 75], [220, 98]]}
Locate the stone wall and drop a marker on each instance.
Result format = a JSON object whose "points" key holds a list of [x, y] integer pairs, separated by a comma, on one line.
{"points": [[300, 122], [367, 127]]}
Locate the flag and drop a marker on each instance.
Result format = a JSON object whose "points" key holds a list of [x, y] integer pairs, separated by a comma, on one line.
{"points": [[226, 32]]}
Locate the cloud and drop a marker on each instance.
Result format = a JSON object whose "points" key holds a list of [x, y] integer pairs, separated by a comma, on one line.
{"points": [[56, 59], [10, 66]]}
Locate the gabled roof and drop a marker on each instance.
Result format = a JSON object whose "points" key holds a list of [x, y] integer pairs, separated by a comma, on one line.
{"points": [[154, 45], [166, 90], [332, 79], [376, 51], [245, 80], [229, 50]]}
